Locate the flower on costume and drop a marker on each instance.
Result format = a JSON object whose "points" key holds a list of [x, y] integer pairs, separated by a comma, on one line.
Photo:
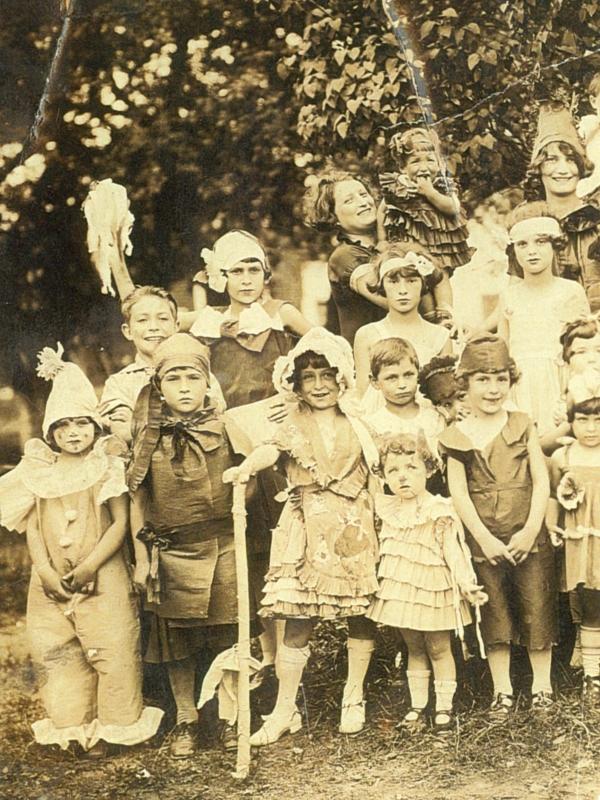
{"points": [[217, 280], [568, 492]]}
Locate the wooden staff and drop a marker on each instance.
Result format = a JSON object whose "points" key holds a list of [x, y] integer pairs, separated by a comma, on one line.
{"points": [[243, 646]]}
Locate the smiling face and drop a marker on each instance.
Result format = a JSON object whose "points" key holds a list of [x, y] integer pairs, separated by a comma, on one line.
{"points": [[487, 391], [403, 291], [74, 435], [318, 387], [151, 321], [559, 172], [586, 429], [584, 354], [184, 390], [245, 282], [354, 207], [398, 382], [422, 163], [534, 253], [406, 475]]}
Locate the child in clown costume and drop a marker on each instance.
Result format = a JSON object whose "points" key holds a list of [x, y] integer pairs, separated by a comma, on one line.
{"points": [[68, 494], [324, 549]]}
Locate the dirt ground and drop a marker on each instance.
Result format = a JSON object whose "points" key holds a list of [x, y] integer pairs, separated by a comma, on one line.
{"points": [[549, 756]]}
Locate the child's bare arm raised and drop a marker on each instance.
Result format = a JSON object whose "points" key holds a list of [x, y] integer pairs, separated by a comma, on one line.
{"points": [[294, 320], [263, 457], [493, 549], [447, 204], [108, 545], [521, 542]]}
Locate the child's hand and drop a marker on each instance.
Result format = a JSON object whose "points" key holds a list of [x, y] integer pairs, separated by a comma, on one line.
{"points": [[241, 474], [475, 595], [424, 186], [496, 552], [79, 578], [521, 543], [140, 576], [556, 535], [52, 585], [278, 411]]}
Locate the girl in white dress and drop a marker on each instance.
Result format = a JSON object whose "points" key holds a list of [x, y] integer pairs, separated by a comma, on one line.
{"points": [[402, 274], [534, 311]]}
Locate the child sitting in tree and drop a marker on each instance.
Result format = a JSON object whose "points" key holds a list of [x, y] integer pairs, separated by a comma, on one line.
{"points": [[149, 317], [181, 523], [421, 201], [324, 550], [69, 494]]}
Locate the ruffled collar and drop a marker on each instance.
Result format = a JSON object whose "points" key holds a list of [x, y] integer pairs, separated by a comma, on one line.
{"points": [[399, 513], [251, 329]]}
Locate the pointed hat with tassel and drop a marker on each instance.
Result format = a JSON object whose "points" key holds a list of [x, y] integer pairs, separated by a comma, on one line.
{"points": [[72, 394]]}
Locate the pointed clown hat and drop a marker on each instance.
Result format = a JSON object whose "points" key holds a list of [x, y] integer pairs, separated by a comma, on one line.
{"points": [[334, 348], [555, 124], [71, 395]]}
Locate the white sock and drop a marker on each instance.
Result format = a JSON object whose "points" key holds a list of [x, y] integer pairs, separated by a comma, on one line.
{"points": [[290, 666], [418, 686], [359, 658], [541, 663], [590, 651], [444, 695]]}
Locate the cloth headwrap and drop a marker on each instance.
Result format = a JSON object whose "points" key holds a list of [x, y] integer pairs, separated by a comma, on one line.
{"points": [[585, 386], [535, 226], [556, 125], [411, 260], [228, 251], [335, 349], [72, 394], [484, 353], [181, 350]]}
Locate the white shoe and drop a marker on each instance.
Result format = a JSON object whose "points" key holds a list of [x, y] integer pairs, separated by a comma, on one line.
{"points": [[274, 728], [353, 717]]}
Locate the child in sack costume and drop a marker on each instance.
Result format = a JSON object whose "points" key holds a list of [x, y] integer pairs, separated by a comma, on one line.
{"points": [[70, 497]]}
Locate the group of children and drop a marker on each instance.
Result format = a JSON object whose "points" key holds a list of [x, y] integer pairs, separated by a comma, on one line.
{"points": [[402, 484]]}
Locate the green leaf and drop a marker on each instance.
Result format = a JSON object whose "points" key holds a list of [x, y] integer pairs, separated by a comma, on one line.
{"points": [[426, 28], [449, 13], [339, 57], [342, 129]]}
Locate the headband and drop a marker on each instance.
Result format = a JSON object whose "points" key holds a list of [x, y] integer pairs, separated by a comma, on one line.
{"points": [[181, 350], [547, 226], [412, 260]]}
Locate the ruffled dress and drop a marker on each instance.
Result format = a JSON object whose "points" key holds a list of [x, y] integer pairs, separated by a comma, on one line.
{"points": [[535, 322], [409, 216], [93, 690], [425, 563], [324, 551], [577, 489]]}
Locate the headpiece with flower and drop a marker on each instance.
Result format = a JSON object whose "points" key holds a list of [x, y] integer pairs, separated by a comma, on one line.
{"points": [[227, 251], [412, 260]]}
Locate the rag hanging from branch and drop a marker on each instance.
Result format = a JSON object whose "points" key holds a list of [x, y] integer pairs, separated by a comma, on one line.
{"points": [[110, 221]]}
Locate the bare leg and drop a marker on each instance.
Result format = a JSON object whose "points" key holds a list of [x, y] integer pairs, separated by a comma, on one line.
{"points": [[418, 671], [499, 661]]}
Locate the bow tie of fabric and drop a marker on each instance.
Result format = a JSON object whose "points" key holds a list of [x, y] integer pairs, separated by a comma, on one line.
{"points": [[199, 435], [156, 543]]}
